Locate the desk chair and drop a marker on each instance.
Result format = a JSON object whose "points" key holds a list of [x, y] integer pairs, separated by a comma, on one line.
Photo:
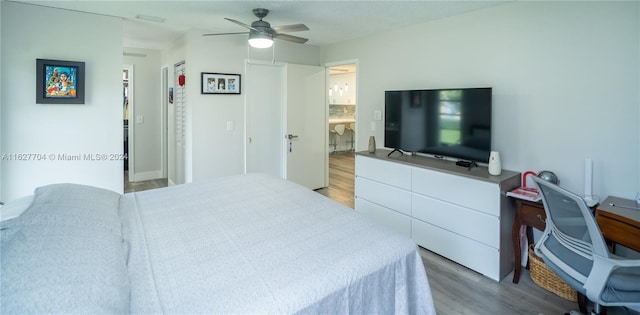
{"points": [[573, 247]]}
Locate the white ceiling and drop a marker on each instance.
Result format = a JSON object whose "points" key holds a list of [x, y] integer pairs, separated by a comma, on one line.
{"points": [[329, 21]]}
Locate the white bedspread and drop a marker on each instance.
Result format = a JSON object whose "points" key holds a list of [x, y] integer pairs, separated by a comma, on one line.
{"points": [[259, 244]]}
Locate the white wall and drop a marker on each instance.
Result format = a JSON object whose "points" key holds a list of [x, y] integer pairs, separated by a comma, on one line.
{"points": [[214, 150], [1, 101], [211, 150], [565, 77], [147, 154], [27, 127]]}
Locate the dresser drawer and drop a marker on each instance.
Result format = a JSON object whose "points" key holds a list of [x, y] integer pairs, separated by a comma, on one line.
{"points": [[467, 252], [472, 224], [384, 195], [392, 219], [470, 193], [463, 216], [393, 174]]}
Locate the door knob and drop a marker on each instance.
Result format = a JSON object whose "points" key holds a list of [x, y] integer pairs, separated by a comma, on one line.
{"points": [[290, 136]]}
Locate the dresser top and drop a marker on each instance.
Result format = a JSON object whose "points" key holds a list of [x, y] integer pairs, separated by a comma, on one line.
{"points": [[442, 165]]}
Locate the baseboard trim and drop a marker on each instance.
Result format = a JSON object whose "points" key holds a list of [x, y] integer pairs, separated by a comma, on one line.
{"points": [[138, 177]]}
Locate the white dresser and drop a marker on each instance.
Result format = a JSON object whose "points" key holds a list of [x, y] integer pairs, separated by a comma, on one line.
{"points": [[461, 214]]}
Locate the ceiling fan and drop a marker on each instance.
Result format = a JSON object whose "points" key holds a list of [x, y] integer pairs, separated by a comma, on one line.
{"points": [[261, 33]]}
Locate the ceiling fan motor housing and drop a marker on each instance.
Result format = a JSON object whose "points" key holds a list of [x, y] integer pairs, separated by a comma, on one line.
{"points": [[260, 12]]}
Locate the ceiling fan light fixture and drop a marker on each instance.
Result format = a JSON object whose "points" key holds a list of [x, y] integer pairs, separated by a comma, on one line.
{"points": [[260, 40], [261, 33]]}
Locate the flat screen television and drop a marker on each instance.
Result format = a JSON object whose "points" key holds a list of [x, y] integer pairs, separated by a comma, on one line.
{"points": [[453, 123]]}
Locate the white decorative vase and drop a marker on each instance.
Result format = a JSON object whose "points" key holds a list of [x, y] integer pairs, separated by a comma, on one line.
{"points": [[372, 144], [495, 167]]}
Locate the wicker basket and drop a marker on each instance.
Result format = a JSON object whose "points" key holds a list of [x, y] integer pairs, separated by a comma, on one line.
{"points": [[549, 280]]}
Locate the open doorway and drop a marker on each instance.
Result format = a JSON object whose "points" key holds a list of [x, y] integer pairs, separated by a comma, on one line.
{"points": [[127, 82], [342, 128]]}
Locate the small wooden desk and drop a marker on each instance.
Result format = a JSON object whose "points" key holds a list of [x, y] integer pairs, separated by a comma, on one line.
{"points": [[618, 224], [530, 214]]}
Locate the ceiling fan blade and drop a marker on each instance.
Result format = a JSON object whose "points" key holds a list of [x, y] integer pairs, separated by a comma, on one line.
{"points": [[290, 38], [225, 34], [290, 28], [241, 24]]}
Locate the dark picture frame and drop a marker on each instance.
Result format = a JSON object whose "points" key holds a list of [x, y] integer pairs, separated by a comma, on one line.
{"points": [[220, 83], [59, 82]]}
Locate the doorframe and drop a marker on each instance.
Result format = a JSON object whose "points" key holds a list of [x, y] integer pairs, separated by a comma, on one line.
{"points": [[132, 123], [179, 151], [328, 65], [164, 121]]}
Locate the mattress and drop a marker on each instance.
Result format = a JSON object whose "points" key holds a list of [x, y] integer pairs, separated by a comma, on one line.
{"points": [[241, 244]]}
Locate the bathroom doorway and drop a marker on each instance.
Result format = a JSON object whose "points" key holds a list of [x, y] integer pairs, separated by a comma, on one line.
{"points": [[342, 131]]}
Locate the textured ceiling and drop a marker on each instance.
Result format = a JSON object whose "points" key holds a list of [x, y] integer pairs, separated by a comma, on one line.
{"points": [[329, 22]]}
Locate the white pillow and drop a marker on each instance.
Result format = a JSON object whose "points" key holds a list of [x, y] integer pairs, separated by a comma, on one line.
{"points": [[15, 208]]}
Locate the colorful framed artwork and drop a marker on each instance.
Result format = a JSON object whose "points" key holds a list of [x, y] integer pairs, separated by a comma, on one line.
{"points": [[220, 83], [59, 82]]}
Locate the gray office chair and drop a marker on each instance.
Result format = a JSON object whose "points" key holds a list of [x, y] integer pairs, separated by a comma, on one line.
{"points": [[573, 247]]}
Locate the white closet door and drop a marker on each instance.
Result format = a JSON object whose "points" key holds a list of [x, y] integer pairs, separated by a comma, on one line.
{"points": [[265, 135]]}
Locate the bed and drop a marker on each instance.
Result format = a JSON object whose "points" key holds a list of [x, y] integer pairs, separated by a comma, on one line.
{"points": [[242, 244]]}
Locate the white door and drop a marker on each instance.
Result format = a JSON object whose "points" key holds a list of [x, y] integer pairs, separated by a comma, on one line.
{"points": [[283, 100], [264, 86], [306, 126]]}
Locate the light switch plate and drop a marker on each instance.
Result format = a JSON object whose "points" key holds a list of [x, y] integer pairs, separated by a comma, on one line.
{"points": [[229, 125], [377, 115], [139, 119]]}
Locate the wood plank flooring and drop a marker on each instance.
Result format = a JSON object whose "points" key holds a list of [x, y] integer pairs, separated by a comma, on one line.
{"points": [[142, 185], [341, 178]]}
